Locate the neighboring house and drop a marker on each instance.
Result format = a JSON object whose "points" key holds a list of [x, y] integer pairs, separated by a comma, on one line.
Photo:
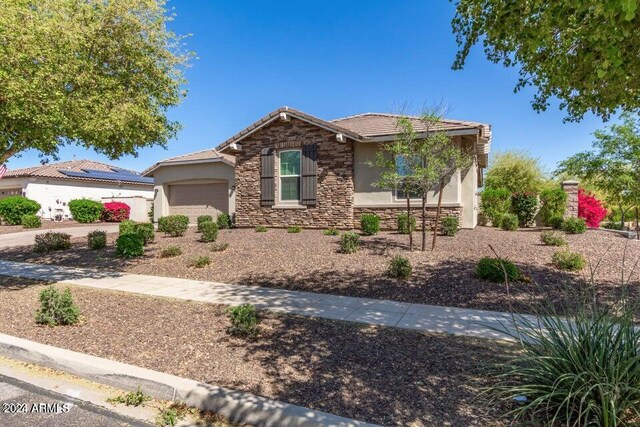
{"points": [[201, 183], [54, 185]]}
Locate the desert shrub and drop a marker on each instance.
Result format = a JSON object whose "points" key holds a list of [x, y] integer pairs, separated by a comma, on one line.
{"points": [[349, 242], [294, 229], [223, 221], [574, 225], [31, 221], [202, 219], [145, 229], [610, 225], [115, 212], [556, 222], [219, 247], [403, 223], [162, 224], [170, 251], [129, 245], [85, 210], [175, 225], [132, 398], [331, 232], [569, 261], [261, 229], [57, 308], [209, 231], [450, 225], [369, 224], [97, 239], [553, 202], [494, 203], [509, 222], [495, 270], [127, 227], [244, 321], [52, 241], [12, 209], [200, 262], [515, 171], [591, 209], [552, 238], [525, 207], [400, 267]]}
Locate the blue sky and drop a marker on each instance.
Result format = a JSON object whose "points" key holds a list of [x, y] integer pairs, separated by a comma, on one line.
{"points": [[336, 58]]}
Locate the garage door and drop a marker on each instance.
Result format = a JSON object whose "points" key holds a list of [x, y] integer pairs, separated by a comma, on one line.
{"points": [[10, 192], [194, 200]]}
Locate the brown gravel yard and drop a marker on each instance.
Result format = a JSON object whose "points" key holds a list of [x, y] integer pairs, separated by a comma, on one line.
{"points": [[310, 261], [46, 225], [381, 375]]}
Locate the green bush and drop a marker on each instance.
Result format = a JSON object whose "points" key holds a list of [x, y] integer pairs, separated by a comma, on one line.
{"points": [[610, 225], [12, 209], [170, 251], [450, 225], [145, 229], [128, 226], [52, 241], [31, 221], [219, 247], [294, 229], [509, 222], [132, 398], [574, 225], [494, 203], [169, 417], [57, 308], [556, 222], [400, 267], [525, 207], [129, 245], [162, 224], [244, 321], [261, 229], [403, 223], [331, 232], [370, 224], [223, 221], [174, 225], [553, 202], [515, 171], [552, 238], [200, 262], [494, 270], [85, 210], [97, 239], [202, 219], [569, 261], [209, 231], [349, 242]]}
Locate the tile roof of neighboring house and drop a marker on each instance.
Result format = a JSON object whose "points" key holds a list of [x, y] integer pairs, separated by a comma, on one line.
{"points": [[77, 168], [204, 156]]}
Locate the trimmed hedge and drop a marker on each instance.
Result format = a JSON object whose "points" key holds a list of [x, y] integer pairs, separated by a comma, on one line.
{"points": [[553, 202], [173, 225], [509, 222], [31, 221], [574, 225], [209, 231], [85, 210], [450, 225], [127, 226], [370, 224], [202, 219], [12, 209], [403, 223], [224, 221], [130, 245]]}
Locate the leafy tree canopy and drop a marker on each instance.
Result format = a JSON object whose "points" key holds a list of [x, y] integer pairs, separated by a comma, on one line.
{"points": [[96, 73], [582, 52], [515, 171]]}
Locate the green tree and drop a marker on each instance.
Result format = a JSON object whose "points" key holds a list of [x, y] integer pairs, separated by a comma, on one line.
{"points": [[100, 74], [613, 165], [582, 52], [515, 171]]}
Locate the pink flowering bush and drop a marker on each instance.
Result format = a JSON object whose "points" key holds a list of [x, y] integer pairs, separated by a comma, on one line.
{"points": [[115, 212], [591, 209]]}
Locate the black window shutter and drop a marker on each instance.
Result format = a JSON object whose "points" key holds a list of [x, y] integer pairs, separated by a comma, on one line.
{"points": [[267, 166], [309, 174]]}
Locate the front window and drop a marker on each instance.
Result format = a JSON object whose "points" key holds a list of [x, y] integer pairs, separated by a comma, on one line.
{"points": [[290, 175], [403, 169]]}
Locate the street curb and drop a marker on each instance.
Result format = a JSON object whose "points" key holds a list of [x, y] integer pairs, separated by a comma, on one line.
{"points": [[237, 406]]}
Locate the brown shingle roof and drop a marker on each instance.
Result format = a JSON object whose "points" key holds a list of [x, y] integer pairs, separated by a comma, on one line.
{"points": [[209, 155]]}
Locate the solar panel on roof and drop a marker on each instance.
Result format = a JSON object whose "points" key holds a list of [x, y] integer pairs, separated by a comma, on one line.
{"points": [[109, 176], [121, 171]]}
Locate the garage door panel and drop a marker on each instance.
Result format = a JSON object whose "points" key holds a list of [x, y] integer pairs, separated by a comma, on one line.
{"points": [[194, 200]]}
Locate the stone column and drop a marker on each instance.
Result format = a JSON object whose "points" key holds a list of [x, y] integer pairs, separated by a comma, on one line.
{"points": [[571, 188]]}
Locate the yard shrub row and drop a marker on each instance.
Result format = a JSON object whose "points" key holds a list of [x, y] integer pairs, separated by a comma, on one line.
{"points": [[129, 245], [143, 229], [97, 239], [209, 231], [52, 241], [13, 208], [201, 220], [173, 225], [85, 210]]}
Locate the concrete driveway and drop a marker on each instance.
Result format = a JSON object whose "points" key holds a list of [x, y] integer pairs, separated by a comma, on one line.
{"points": [[26, 238]]}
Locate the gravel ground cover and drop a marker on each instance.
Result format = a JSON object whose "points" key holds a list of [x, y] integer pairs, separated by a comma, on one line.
{"points": [[310, 261], [46, 225], [376, 374]]}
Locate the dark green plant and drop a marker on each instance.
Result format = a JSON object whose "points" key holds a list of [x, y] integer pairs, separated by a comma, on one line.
{"points": [[244, 321], [611, 225], [200, 262], [202, 219], [497, 270], [209, 231], [494, 203], [12, 209], [331, 232], [349, 242], [553, 202], [556, 222], [128, 226], [552, 238], [525, 207], [294, 229], [175, 225], [400, 267], [219, 247], [31, 221], [569, 261], [57, 308], [132, 398], [162, 224], [369, 224], [97, 239], [261, 229], [450, 225], [170, 251], [145, 229], [574, 225], [52, 241], [403, 223], [223, 221], [509, 222], [129, 245], [85, 210]]}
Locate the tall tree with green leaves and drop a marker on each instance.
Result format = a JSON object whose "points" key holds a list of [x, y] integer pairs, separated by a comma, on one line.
{"points": [[584, 53], [613, 165], [516, 171], [100, 74]]}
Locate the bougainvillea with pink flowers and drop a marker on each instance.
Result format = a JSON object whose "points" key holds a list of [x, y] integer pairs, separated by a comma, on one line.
{"points": [[115, 212], [591, 209]]}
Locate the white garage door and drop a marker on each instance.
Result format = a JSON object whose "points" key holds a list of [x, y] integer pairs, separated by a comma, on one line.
{"points": [[194, 200]]}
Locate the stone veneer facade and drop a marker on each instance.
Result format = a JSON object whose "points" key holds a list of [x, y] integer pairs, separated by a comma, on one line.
{"points": [[571, 188], [389, 215]]}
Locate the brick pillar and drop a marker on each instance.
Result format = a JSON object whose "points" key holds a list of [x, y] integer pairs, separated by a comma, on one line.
{"points": [[571, 188]]}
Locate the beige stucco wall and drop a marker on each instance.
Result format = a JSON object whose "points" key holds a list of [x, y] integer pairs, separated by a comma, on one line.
{"points": [[201, 173]]}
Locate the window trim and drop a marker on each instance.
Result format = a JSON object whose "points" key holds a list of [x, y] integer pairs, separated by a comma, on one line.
{"points": [[297, 201]]}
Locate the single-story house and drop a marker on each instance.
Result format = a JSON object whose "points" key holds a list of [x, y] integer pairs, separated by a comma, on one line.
{"points": [[290, 168], [54, 185]]}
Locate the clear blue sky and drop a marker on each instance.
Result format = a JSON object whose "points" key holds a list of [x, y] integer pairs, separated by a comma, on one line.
{"points": [[335, 58]]}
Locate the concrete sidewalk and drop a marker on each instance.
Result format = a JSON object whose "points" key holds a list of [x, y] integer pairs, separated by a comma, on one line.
{"points": [[26, 238], [428, 318]]}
